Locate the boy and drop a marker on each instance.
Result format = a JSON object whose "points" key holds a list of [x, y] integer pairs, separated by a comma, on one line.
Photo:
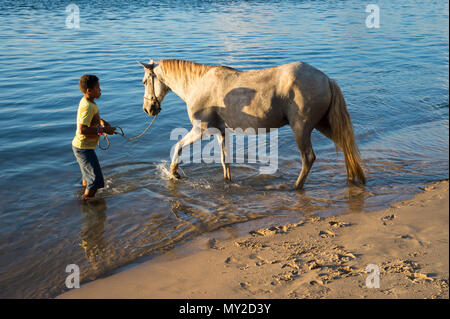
{"points": [[89, 128]]}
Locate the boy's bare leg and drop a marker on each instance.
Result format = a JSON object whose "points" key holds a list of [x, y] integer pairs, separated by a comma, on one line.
{"points": [[88, 193], [84, 183]]}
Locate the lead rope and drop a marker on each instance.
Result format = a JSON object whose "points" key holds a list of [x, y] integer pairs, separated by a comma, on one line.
{"points": [[140, 135], [125, 137]]}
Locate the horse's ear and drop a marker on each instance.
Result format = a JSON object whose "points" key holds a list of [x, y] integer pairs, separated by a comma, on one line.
{"points": [[145, 65], [149, 66]]}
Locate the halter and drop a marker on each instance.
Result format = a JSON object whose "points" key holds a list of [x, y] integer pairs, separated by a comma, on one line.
{"points": [[158, 103]]}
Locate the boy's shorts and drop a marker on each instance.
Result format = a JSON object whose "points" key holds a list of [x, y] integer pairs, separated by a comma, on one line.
{"points": [[90, 167]]}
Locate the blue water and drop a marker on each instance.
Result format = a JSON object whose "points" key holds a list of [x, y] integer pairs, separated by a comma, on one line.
{"points": [[394, 79]]}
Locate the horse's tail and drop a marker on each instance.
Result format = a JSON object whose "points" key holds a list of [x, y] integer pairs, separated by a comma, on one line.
{"points": [[340, 130]]}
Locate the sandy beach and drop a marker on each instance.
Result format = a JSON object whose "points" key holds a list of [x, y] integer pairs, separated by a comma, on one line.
{"points": [[313, 258]]}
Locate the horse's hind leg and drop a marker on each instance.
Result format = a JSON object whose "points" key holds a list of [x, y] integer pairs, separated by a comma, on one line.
{"points": [[308, 158], [192, 136], [303, 139]]}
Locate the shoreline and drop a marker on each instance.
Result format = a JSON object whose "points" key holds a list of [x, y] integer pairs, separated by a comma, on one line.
{"points": [[313, 258]]}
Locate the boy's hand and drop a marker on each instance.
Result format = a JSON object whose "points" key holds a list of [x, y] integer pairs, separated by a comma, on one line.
{"points": [[110, 130]]}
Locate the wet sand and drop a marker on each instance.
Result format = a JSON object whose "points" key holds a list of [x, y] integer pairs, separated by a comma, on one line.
{"points": [[312, 258]]}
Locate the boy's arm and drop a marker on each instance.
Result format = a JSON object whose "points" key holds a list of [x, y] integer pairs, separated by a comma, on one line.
{"points": [[93, 131], [87, 131]]}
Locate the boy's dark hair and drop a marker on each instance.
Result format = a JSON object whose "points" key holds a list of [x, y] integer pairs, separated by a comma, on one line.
{"points": [[87, 81]]}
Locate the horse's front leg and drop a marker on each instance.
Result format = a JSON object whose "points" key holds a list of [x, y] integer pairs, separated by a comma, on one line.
{"points": [[194, 135], [223, 149]]}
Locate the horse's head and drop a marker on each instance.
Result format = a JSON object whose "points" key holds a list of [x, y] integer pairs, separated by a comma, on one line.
{"points": [[155, 89]]}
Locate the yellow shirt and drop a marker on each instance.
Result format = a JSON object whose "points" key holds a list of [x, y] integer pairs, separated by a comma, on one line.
{"points": [[88, 115]]}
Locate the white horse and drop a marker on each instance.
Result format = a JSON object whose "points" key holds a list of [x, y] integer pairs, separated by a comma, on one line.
{"points": [[222, 97]]}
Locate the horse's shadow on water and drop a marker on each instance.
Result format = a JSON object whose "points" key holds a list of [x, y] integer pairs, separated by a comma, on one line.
{"points": [[235, 102]]}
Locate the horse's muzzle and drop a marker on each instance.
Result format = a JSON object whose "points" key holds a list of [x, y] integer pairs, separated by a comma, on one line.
{"points": [[154, 110]]}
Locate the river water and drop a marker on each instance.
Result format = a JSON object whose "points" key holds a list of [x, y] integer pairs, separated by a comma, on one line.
{"points": [[394, 79]]}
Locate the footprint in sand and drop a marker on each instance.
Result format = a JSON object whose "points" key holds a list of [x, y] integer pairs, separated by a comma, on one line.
{"points": [[250, 244], [312, 264], [212, 243], [338, 224], [387, 218], [245, 285], [275, 229], [232, 261], [326, 233]]}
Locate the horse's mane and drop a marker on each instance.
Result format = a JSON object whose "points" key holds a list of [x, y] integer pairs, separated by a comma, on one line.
{"points": [[193, 70]]}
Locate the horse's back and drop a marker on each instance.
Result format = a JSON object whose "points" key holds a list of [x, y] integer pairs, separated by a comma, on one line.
{"points": [[283, 81]]}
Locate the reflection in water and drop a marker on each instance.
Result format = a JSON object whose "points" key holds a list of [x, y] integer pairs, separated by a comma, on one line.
{"points": [[356, 198], [92, 231]]}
